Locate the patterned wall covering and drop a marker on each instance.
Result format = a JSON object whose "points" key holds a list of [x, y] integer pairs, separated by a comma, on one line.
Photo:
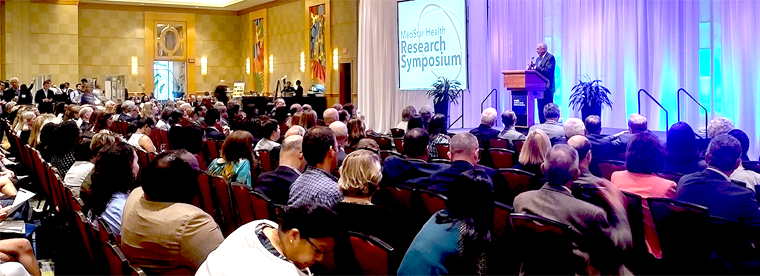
{"points": [[318, 53], [257, 57], [218, 38], [286, 40], [108, 40]]}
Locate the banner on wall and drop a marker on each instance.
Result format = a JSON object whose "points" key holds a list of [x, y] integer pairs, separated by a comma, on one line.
{"points": [[432, 42]]}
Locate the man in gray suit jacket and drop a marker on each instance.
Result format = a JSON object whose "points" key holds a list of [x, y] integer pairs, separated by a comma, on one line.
{"points": [[598, 248], [552, 127]]}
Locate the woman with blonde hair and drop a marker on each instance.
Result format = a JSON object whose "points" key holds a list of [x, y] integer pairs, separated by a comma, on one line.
{"points": [[360, 177], [148, 111], [39, 122], [533, 153], [237, 155]]}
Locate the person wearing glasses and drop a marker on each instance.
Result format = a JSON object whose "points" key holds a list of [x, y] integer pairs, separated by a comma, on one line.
{"points": [[303, 237]]}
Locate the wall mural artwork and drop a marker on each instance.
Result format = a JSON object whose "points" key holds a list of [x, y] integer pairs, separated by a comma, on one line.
{"points": [[317, 42], [258, 55]]}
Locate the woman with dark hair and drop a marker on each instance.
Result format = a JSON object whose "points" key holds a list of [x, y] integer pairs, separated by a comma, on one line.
{"points": [[356, 133], [438, 136], [164, 122], [237, 155], [415, 121], [269, 133], [62, 146], [681, 151], [741, 174], [46, 138], [644, 157], [141, 138], [102, 121], [303, 237], [113, 177], [455, 240]]}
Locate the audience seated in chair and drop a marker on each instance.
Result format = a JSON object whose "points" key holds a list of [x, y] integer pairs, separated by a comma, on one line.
{"points": [[405, 115], [600, 144], [551, 127], [269, 135], [741, 174], [141, 138], [295, 130], [330, 115], [414, 171], [509, 119], [235, 163], [713, 189], [17, 257], [456, 240], [464, 154], [155, 213], [485, 130], [359, 179], [79, 176], [681, 150], [62, 146], [276, 184], [214, 129], [303, 236], [316, 185], [438, 135], [598, 246], [643, 159], [533, 153], [636, 124], [341, 136]]}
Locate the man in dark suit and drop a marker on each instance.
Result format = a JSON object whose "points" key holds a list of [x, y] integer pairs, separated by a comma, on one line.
{"points": [[14, 90], [712, 188], [129, 112], [299, 89], [485, 130], [414, 171], [636, 124], [220, 92], [276, 184], [544, 65], [44, 97], [212, 122], [464, 157], [601, 145], [597, 244]]}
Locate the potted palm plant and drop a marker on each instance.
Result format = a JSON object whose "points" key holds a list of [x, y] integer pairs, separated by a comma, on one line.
{"points": [[589, 97], [444, 91]]}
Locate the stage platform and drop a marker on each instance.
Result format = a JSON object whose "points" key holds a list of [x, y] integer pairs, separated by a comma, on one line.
{"points": [[606, 131]]}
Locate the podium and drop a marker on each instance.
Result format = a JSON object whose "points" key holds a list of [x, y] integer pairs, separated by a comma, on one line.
{"points": [[525, 86]]}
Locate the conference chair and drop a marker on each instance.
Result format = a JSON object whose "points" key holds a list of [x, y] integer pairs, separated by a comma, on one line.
{"points": [[518, 181], [223, 204], [265, 158], [385, 143], [732, 243], [682, 230], [386, 153], [501, 158], [371, 254], [397, 199], [538, 239], [206, 198], [430, 202], [126, 267], [672, 176], [607, 167], [518, 144], [399, 143], [503, 240], [397, 133], [212, 149], [498, 143], [635, 210], [443, 151], [80, 221], [160, 139], [440, 161]]}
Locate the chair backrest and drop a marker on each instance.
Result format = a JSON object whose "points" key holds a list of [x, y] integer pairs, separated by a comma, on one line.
{"points": [[539, 239], [371, 254], [80, 220], [212, 149], [681, 228], [263, 208], [752, 166], [223, 204], [241, 200], [397, 199], [266, 161], [206, 196], [607, 167], [518, 180], [59, 189], [397, 133], [730, 240], [498, 143], [439, 161], [634, 209], [672, 176], [120, 127], [518, 144], [443, 151], [431, 202], [143, 158], [385, 143], [503, 241], [501, 158], [126, 267], [386, 153], [502, 227], [399, 143]]}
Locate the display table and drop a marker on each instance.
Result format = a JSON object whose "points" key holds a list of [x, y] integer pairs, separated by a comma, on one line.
{"points": [[318, 104]]}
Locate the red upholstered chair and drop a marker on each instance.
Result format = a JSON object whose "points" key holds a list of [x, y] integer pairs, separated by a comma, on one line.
{"points": [[399, 143], [263, 208], [126, 267], [212, 149], [431, 202], [501, 158], [518, 180], [503, 240], [241, 200], [371, 254], [82, 229], [539, 239], [672, 176], [518, 144], [607, 167], [681, 228], [386, 153], [385, 143], [397, 133], [206, 197], [443, 151], [223, 204], [265, 158], [397, 199], [498, 143]]}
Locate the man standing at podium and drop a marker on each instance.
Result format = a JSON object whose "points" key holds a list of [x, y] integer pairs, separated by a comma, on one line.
{"points": [[544, 65]]}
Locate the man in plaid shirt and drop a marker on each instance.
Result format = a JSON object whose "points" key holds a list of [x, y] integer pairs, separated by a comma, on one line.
{"points": [[316, 184]]}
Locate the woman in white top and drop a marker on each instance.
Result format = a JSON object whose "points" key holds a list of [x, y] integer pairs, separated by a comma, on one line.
{"points": [[406, 114], [140, 139], [270, 132], [262, 247]]}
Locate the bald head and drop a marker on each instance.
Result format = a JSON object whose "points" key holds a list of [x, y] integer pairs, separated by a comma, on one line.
{"points": [[341, 132], [464, 146], [561, 166], [488, 117], [573, 127], [582, 145], [637, 123], [330, 115], [295, 130]]}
